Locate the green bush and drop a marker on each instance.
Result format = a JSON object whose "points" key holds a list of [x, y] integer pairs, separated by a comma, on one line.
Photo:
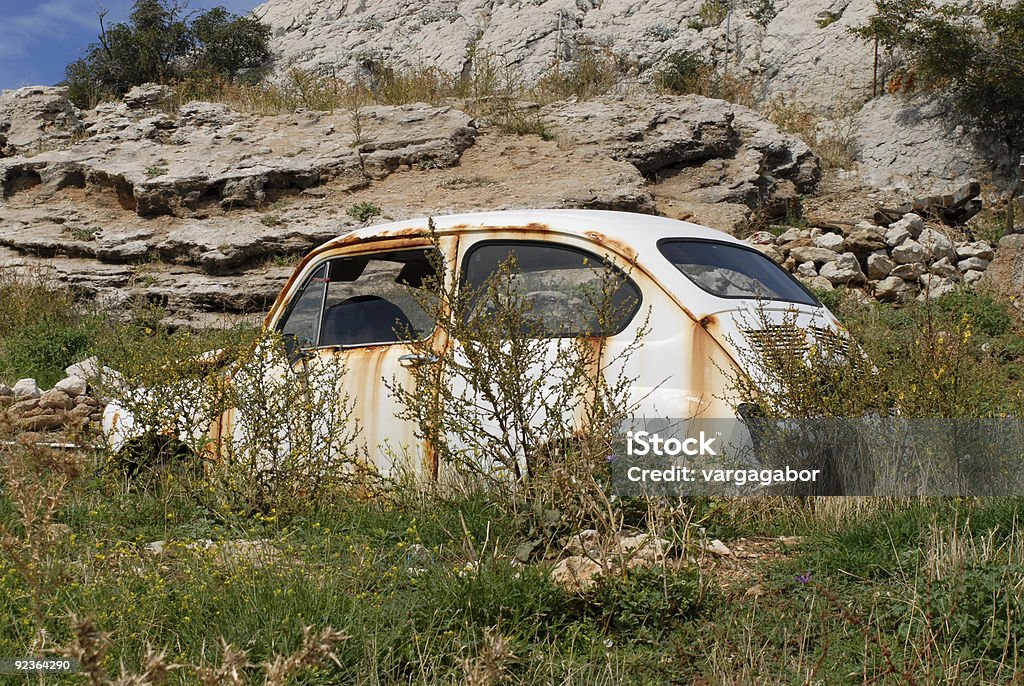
{"points": [[647, 598], [684, 72], [159, 43], [975, 53]]}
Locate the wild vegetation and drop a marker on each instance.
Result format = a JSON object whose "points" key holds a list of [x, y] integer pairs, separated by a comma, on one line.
{"points": [[161, 43], [160, 571], [977, 57]]}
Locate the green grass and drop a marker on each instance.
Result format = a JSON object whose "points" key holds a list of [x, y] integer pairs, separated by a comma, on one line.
{"points": [[877, 591]]}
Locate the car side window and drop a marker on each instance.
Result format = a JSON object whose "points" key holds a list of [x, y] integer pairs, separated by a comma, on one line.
{"points": [[571, 292], [302, 323], [366, 300]]}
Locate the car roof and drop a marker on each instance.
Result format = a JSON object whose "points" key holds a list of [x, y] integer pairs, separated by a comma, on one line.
{"points": [[628, 228]]}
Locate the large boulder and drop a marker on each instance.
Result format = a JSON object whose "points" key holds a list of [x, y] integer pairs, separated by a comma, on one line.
{"points": [[35, 118], [702, 154]]}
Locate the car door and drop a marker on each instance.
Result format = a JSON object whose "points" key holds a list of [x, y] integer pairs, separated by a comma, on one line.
{"points": [[360, 306]]}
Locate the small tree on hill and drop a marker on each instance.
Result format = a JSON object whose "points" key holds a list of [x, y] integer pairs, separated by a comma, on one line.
{"points": [[975, 53], [160, 42]]}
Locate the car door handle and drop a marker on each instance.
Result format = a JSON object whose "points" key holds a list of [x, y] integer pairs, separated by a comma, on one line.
{"points": [[416, 359]]}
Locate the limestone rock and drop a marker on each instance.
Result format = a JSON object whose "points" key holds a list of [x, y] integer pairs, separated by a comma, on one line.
{"points": [[831, 241], [978, 264], [35, 118], [973, 277], [894, 288], [586, 542], [643, 546], [576, 573], [6, 391], [934, 286], [716, 547], [55, 400], [788, 236], [701, 150], [41, 422], [865, 241], [772, 252], [913, 143], [908, 252], [945, 269], [820, 283], [807, 269], [936, 244], [1006, 272], [980, 249], [818, 256], [843, 271], [149, 96], [215, 163], [896, 235], [879, 265], [913, 224], [26, 388], [909, 272], [25, 405], [86, 369]]}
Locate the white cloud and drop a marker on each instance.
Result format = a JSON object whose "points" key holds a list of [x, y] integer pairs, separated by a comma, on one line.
{"points": [[48, 21]]}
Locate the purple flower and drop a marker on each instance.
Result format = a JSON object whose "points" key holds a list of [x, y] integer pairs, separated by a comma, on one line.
{"points": [[611, 458], [803, 579]]}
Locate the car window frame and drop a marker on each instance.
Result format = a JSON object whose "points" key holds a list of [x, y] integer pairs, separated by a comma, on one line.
{"points": [[815, 301], [462, 278], [315, 266]]}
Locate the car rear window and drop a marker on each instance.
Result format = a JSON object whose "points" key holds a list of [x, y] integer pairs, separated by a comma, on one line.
{"points": [[732, 271]]}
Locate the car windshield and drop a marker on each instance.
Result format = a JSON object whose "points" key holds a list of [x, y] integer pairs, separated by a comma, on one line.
{"points": [[732, 271]]}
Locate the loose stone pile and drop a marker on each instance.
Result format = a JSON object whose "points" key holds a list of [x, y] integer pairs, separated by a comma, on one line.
{"points": [[907, 260], [67, 405]]}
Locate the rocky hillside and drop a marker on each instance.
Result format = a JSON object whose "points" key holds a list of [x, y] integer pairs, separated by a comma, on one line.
{"points": [[203, 209], [801, 51]]}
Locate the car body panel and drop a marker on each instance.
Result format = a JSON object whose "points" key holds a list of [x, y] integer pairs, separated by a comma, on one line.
{"points": [[694, 341]]}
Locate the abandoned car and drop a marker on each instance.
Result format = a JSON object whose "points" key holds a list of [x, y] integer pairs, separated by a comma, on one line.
{"points": [[700, 302]]}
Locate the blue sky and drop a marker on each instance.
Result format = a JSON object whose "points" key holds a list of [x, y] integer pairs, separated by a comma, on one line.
{"points": [[39, 37]]}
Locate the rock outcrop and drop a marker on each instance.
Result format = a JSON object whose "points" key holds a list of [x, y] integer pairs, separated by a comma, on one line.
{"points": [[202, 209], [802, 51]]}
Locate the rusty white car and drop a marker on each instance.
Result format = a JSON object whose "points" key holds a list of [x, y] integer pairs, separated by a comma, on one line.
{"points": [[708, 301]]}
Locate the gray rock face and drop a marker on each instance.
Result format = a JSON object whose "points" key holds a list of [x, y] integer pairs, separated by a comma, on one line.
{"points": [[973, 264], [831, 241], [811, 59], [980, 249], [945, 268], [805, 53], [214, 163], [934, 286], [909, 272], [912, 223], [149, 96], [913, 143], [699, 151], [896, 235], [36, 118]]}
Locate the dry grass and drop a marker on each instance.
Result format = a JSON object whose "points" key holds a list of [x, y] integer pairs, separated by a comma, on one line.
{"points": [[834, 141]]}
